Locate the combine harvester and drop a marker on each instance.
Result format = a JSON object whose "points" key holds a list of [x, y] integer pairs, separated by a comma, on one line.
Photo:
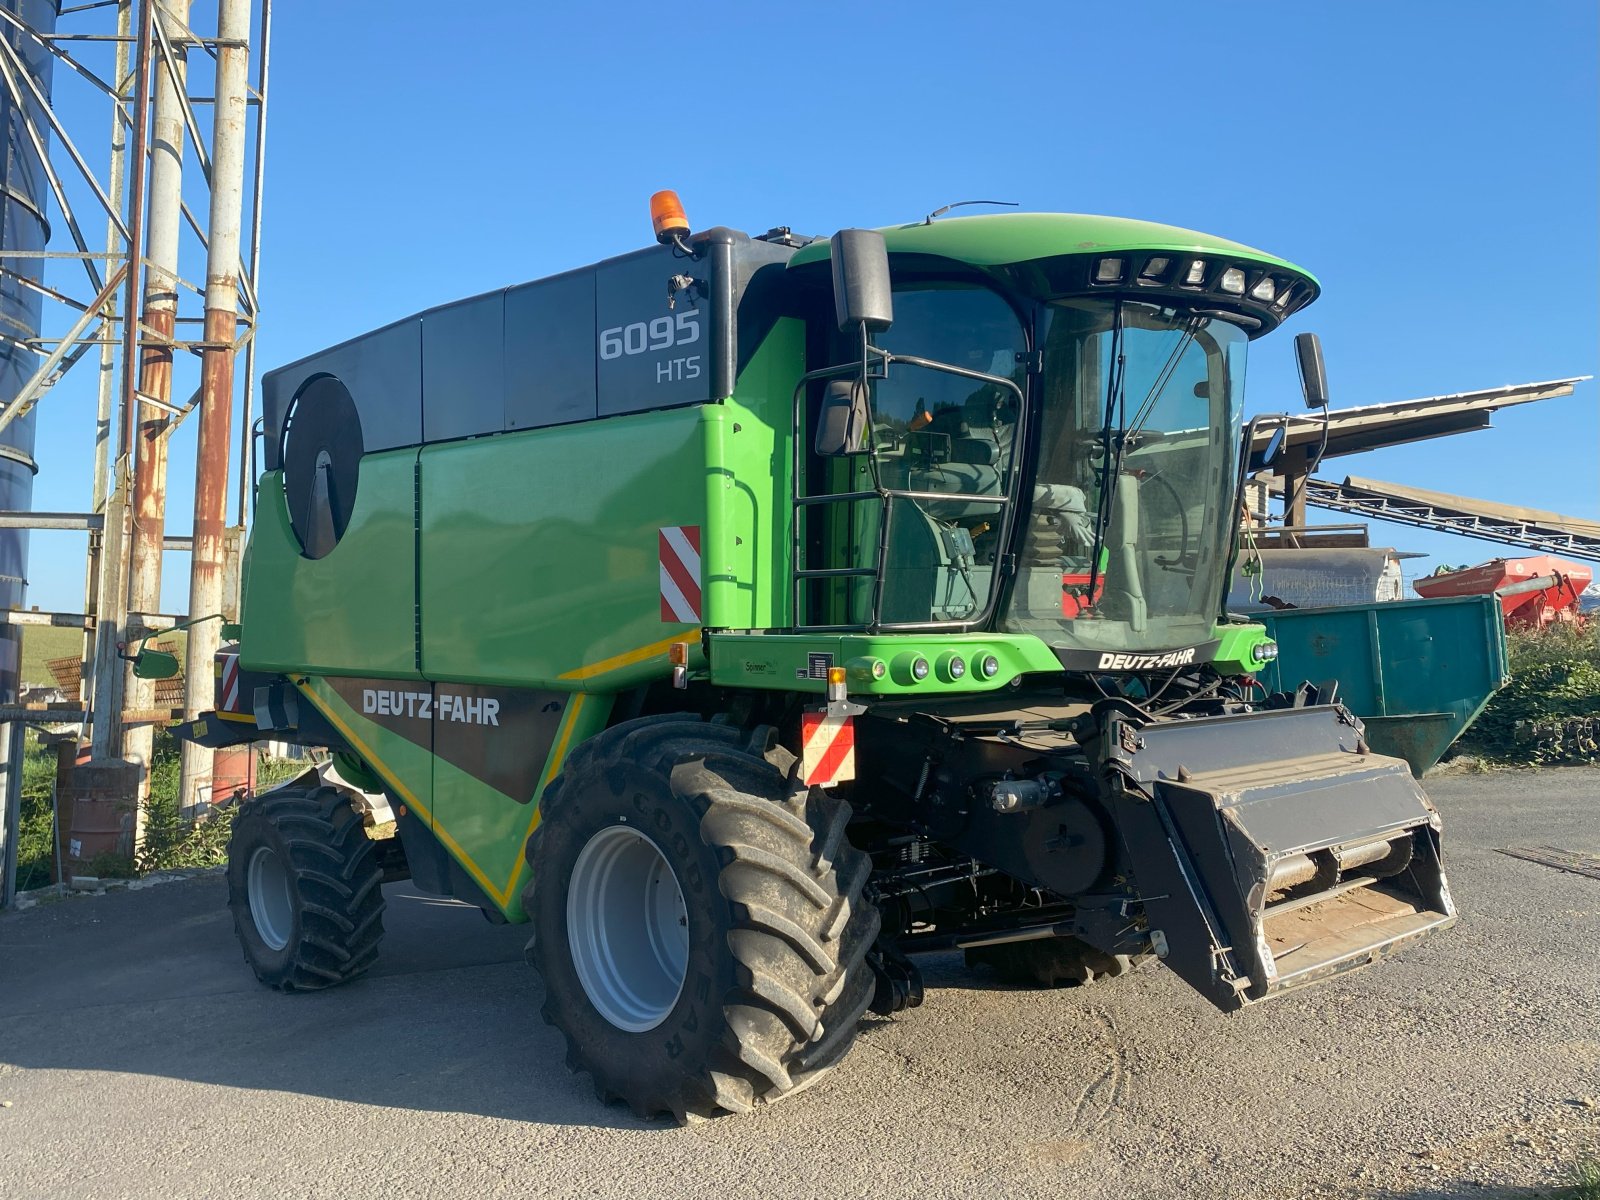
{"points": [[753, 614]]}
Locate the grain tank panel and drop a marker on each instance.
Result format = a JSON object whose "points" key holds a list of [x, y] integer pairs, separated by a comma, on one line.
{"points": [[540, 550], [298, 610], [463, 368]]}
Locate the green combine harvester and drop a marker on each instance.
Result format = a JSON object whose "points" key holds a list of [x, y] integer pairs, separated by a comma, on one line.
{"points": [[752, 615]]}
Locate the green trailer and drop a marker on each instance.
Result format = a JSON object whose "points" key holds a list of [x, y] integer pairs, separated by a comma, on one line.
{"points": [[1417, 672], [753, 615]]}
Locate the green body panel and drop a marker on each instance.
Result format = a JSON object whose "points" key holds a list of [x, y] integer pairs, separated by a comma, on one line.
{"points": [[404, 766], [482, 829], [491, 831], [745, 554], [782, 662], [994, 240], [539, 549], [1233, 656], [351, 612]]}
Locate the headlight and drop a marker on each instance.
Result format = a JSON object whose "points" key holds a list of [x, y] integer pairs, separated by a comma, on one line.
{"points": [[909, 667], [1155, 269], [989, 667], [1264, 652], [1233, 281], [1108, 270]]}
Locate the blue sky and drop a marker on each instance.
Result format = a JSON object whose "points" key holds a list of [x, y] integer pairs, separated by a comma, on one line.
{"points": [[1434, 164]]}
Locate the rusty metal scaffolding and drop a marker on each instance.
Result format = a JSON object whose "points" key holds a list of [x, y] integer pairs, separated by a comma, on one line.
{"points": [[169, 83]]}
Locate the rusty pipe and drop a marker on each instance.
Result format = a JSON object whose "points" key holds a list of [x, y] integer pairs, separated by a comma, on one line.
{"points": [[206, 568]]}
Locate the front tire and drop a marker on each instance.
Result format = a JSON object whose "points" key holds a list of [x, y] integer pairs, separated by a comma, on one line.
{"points": [[699, 926], [304, 888]]}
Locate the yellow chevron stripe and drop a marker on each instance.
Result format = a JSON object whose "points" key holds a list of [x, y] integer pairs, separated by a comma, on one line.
{"points": [[627, 659], [569, 722]]}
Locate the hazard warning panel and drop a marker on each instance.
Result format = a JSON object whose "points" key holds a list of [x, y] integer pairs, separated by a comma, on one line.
{"points": [[680, 573], [827, 748], [227, 668]]}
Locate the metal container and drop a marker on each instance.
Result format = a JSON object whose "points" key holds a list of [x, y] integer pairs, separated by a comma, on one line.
{"points": [[96, 811], [1417, 672], [1316, 575]]}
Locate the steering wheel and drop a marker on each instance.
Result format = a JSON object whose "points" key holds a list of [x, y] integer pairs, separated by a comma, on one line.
{"points": [[1091, 443]]}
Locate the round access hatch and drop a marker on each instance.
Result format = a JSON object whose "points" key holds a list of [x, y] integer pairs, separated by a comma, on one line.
{"points": [[321, 463]]}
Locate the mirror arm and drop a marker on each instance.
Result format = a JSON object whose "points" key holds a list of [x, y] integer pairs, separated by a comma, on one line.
{"points": [[122, 647]]}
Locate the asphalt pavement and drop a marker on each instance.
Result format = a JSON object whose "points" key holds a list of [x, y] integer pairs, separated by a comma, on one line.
{"points": [[139, 1057]]}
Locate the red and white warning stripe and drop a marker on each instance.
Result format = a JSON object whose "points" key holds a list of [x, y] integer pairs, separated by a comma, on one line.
{"points": [[827, 749], [680, 574], [228, 686]]}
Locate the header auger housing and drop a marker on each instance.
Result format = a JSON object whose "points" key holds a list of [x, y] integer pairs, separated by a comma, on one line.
{"points": [[754, 614]]}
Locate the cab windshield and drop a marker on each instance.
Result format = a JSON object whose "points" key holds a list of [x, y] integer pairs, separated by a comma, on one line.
{"points": [[1128, 525], [1115, 539]]}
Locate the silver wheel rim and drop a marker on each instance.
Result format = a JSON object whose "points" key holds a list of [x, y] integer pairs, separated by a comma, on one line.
{"points": [[628, 928], [271, 898]]}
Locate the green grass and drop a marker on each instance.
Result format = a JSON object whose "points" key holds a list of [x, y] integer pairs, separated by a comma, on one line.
{"points": [[40, 643], [34, 849], [1585, 1183]]}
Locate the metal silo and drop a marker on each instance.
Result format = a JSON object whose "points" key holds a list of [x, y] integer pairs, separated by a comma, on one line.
{"points": [[24, 188]]}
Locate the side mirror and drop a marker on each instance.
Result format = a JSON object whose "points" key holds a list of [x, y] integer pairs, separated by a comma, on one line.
{"points": [[155, 664], [842, 424], [862, 297], [1313, 376], [1274, 447]]}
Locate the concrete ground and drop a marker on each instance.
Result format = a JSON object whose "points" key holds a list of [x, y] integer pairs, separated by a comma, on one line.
{"points": [[138, 1057]]}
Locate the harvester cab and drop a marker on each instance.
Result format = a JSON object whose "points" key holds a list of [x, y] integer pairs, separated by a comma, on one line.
{"points": [[893, 624]]}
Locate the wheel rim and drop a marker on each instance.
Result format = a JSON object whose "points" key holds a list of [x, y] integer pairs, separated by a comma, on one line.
{"points": [[271, 897], [628, 928]]}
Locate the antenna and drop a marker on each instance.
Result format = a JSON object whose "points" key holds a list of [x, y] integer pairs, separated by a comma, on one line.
{"points": [[939, 212]]}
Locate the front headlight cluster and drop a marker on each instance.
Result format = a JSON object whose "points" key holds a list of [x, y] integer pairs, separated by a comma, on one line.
{"points": [[913, 667], [1264, 652], [1199, 274]]}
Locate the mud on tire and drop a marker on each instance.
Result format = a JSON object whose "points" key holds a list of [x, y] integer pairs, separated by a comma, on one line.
{"points": [[775, 980], [304, 888]]}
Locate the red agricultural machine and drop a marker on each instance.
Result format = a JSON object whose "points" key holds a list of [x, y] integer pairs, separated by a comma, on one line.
{"points": [[1533, 592]]}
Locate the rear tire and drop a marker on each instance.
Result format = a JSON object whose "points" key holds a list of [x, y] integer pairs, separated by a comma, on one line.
{"points": [[304, 888], [745, 983]]}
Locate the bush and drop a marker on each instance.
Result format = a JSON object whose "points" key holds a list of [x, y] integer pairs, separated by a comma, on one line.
{"points": [[1550, 712], [34, 848], [170, 842], [173, 844]]}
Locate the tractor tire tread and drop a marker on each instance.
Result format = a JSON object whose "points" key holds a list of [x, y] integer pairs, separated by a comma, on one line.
{"points": [[336, 878], [799, 927]]}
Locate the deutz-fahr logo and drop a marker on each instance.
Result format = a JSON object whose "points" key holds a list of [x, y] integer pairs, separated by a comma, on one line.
{"points": [[469, 710], [1147, 662]]}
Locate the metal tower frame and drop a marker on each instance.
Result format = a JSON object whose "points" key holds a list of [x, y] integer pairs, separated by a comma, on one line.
{"points": [[168, 85]]}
